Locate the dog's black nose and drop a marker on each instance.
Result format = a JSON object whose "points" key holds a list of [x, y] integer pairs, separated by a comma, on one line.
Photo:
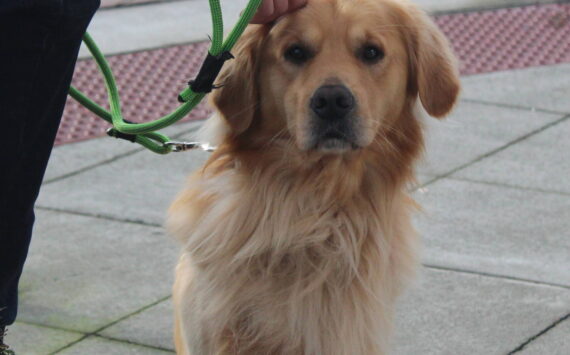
{"points": [[332, 102]]}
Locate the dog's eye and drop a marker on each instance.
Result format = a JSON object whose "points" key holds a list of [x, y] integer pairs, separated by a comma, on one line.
{"points": [[371, 54], [297, 54]]}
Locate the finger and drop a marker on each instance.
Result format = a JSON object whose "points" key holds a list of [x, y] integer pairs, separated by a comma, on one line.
{"points": [[264, 12], [280, 8], [296, 4]]}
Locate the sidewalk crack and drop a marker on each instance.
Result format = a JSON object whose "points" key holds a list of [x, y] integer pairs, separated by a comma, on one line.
{"points": [[513, 106], [100, 216], [126, 341], [495, 276], [92, 166], [509, 186], [539, 334], [110, 160], [495, 151], [100, 329]]}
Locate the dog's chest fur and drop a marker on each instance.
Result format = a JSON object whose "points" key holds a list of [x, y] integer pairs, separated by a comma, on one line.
{"points": [[285, 262]]}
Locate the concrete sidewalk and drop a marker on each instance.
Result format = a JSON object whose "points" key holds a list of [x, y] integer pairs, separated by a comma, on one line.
{"points": [[496, 229]]}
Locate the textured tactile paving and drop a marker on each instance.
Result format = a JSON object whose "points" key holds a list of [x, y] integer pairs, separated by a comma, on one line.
{"points": [[511, 38], [149, 81]]}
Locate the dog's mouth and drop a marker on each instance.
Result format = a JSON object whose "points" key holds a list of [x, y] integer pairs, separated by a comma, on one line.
{"points": [[334, 141], [334, 135]]}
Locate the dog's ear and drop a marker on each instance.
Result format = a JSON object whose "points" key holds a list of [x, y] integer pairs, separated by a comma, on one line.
{"points": [[237, 98], [433, 67]]}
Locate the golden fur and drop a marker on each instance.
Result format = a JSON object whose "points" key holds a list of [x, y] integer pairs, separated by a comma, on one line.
{"points": [[293, 250]]}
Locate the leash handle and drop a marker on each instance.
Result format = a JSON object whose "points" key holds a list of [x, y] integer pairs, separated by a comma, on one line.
{"points": [[144, 133]]}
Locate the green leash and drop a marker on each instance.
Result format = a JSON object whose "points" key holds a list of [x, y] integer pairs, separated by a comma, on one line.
{"points": [[145, 133]]}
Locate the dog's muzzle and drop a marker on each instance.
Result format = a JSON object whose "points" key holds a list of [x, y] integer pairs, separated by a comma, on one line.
{"points": [[333, 108]]}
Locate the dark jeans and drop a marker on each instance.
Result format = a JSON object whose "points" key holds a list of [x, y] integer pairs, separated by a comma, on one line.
{"points": [[39, 41]]}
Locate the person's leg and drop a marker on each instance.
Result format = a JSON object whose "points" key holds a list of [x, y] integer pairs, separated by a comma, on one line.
{"points": [[39, 42]]}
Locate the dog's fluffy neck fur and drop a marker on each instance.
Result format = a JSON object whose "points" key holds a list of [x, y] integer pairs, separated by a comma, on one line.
{"points": [[310, 279]]}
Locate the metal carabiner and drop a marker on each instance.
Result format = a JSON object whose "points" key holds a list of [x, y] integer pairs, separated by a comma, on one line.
{"points": [[184, 146]]}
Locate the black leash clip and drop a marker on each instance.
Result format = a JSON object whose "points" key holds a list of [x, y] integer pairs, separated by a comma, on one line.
{"points": [[112, 132], [211, 67]]}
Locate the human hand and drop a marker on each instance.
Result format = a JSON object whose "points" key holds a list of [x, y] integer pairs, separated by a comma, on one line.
{"points": [[269, 10]]}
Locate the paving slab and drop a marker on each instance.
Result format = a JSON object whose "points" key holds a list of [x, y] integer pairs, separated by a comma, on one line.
{"points": [[540, 162], [473, 130], [138, 187], [98, 345], [152, 327], [451, 313], [555, 342], [28, 339], [74, 157], [546, 88], [83, 273], [492, 229]]}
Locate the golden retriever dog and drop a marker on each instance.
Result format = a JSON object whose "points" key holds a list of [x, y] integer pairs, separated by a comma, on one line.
{"points": [[296, 234]]}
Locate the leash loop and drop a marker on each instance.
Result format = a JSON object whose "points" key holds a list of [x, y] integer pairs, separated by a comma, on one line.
{"points": [[145, 133]]}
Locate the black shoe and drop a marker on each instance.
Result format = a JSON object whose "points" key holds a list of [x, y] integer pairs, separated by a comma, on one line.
{"points": [[4, 349]]}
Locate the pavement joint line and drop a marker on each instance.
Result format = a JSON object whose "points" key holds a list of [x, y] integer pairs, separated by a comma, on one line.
{"points": [[495, 151], [512, 106], [515, 187], [539, 334], [49, 326], [110, 160], [92, 166], [125, 341], [100, 216], [495, 276], [88, 334], [96, 331]]}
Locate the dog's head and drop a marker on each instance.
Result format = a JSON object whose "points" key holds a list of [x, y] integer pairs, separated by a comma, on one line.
{"points": [[334, 75]]}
